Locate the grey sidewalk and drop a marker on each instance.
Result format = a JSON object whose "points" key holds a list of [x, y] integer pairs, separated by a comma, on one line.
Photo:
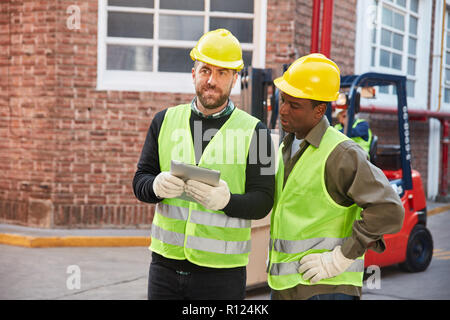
{"points": [[7, 229], [39, 232], [122, 272], [42, 273]]}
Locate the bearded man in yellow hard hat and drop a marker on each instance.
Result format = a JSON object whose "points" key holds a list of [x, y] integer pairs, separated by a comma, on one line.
{"points": [[331, 203], [201, 233]]}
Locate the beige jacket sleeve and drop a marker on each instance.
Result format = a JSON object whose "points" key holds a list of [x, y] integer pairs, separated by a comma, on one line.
{"points": [[351, 178]]}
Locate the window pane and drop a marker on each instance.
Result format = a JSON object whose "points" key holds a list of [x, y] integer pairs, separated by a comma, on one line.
{"points": [[385, 58], [134, 25], [410, 88], [372, 63], [386, 37], [132, 3], [247, 57], [383, 89], [241, 28], [448, 20], [447, 75], [374, 35], [232, 5], [399, 21], [174, 60], [414, 5], [180, 27], [447, 58], [396, 61], [398, 41], [411, 67], [137, 58], [412, 46], [182, 5], [412, 25], [447, 96], [401, 3], [387, 17], [448, 40]]}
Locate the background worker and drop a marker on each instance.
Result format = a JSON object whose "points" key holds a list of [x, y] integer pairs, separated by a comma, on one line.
{"points": [[200, 249], [331, 203], [360, 131]]}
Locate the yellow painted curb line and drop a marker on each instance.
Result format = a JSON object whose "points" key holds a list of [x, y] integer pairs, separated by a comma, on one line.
{"points": [[49, 242], [438, 210], [85, 241]]}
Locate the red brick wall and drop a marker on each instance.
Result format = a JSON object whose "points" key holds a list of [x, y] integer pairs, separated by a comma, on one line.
{"points": [[280, 33], [68, 152], [344, 35], [386, 128], [289, 33], [28, 78]]}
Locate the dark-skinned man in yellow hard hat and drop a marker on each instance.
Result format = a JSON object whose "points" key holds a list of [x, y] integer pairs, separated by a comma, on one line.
{"points": [[331, 203]]}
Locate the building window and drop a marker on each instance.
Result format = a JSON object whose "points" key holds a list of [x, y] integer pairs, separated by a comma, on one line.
{"points": [[151, 39], [394, 40]]}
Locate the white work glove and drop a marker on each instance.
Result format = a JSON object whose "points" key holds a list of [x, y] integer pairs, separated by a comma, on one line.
{"points": [[212, 198], [166, 185], [318, 266]]}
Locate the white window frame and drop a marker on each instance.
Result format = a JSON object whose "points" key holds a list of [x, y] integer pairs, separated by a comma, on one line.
{"points": [[363, 50], [122, 80]]}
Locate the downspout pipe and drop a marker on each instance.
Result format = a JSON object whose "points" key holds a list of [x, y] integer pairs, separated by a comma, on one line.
{"points": [[315, 25], [327, 24], [444, 5], [445, 144], [434, 135]]}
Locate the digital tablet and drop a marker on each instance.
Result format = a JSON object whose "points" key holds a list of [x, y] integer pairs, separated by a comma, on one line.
{"points": [[186, 172]]}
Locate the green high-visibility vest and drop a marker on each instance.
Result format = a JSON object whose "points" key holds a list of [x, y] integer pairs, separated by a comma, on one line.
{"points": [[187, 230], [306, 219], [363, 143]]}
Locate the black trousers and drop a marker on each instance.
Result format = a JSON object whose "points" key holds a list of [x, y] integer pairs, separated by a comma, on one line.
{"points": [[168, 284]]}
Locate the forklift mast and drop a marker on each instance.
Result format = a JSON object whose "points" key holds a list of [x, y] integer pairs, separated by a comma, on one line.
{"points": [[372, 79], [255, 84]]}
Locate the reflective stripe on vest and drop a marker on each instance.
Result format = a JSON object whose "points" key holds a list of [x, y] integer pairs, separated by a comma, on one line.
{"points": [[298, 246], [205, 218], [186, 230], [305, 219], [201, 217], [287, 268], [204, 244]]}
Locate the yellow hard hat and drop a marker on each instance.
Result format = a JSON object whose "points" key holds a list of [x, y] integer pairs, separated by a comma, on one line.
{"points": [[312, 77], [219, 48]]}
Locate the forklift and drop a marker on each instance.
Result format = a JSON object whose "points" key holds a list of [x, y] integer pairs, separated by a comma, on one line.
{"points": [[412, 247]]}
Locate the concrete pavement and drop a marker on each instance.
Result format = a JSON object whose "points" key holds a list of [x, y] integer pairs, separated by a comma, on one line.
{"points": [[50, 273], [73, 269]]}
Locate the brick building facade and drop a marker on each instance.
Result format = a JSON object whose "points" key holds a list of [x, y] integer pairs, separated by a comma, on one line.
{"points": [[69, 150]]}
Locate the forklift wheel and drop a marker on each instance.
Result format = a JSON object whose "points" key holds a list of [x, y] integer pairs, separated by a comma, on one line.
{"points": [[419, 251]]}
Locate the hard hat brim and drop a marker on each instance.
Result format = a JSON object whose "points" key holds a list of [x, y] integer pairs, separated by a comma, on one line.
{"points": [[235, 65], [284, 86]]}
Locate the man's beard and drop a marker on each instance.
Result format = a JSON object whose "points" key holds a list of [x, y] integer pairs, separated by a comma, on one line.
{"points": [[209, 103]]}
